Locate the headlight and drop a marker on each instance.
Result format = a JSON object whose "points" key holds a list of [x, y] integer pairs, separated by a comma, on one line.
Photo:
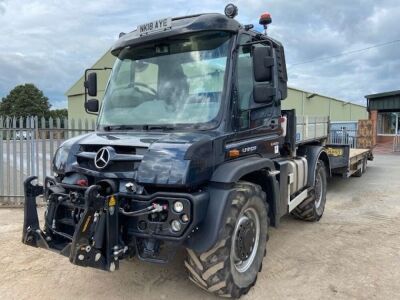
{"points": [[178, 206], [60, 158]]}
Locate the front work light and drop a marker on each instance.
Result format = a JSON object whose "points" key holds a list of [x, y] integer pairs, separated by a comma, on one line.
{"points": [[231, 10]]}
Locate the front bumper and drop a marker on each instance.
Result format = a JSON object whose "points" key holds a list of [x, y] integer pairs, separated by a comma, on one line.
{"points": [[98, 235]]}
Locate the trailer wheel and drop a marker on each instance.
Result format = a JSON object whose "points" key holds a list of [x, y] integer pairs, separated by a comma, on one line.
{"points": [[363, 169], [365, 164], [231, 266], [312, 208]]}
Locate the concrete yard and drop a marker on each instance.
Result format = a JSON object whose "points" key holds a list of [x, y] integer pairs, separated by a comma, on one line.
{"points": [[352, 253]]}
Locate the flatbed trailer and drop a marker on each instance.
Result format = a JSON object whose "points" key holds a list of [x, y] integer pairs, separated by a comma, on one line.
{"points": [[346, 161]]}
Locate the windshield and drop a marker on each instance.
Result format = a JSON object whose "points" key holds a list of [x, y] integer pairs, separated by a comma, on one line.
{"points": [[175, 81]]}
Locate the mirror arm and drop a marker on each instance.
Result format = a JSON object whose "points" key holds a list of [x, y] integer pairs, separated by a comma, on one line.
{"points": [[268, 42]]}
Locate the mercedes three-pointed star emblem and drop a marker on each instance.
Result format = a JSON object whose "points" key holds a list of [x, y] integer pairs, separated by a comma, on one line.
{"points": [[102, 158]]}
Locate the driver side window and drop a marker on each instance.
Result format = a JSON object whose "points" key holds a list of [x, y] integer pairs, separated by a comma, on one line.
{"points": [[245, 81], [250, 115]]}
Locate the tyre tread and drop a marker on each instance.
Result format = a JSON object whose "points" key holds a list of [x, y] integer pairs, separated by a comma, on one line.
{"points": [[213, 275], [306, 210]]}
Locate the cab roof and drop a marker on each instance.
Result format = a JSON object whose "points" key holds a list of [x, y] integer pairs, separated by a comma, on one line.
{"points": [[180, 25]]}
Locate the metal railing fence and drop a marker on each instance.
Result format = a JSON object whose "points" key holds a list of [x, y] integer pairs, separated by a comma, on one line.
{"points": [[344, 137], [27, 148]]}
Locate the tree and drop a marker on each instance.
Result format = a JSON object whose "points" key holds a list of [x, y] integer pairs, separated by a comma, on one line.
{"points": [[58, 113], [25, 100]]}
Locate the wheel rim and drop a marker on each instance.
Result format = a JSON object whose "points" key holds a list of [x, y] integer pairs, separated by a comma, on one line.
{"points": [[246, 240], [318, 190]]}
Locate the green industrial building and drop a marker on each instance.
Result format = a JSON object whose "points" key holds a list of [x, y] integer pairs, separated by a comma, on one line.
{"points": [[305, 103]]}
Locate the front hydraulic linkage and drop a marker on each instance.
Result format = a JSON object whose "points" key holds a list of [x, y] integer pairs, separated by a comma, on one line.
{"points": [[95, 242], [31, 233]]}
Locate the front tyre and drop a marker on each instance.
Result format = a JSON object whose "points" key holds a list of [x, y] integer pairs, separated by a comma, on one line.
{"points": [[231, 266]]}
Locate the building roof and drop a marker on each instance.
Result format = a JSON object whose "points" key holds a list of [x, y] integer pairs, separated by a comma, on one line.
{"points": [[389, 101], [324, 96], [383, 95]]}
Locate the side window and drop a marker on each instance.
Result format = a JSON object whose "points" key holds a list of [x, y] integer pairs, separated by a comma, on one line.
{"points": [[245, 74], [249, 117]]}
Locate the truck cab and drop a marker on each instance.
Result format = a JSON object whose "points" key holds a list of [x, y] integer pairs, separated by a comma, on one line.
{"points": [[192, 149]]}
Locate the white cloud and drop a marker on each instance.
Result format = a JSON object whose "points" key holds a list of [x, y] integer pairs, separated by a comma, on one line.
{"points": [[51, 42]]}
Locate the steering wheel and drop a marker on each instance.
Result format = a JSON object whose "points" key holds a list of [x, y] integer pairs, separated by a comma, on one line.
{"points": [[154, 92]]}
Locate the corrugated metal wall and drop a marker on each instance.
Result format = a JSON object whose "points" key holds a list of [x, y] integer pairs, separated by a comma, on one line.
{"points": [[309, 104]]}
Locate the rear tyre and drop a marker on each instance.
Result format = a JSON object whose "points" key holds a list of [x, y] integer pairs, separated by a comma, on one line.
{"points": [[231, 266], [312, 208]]}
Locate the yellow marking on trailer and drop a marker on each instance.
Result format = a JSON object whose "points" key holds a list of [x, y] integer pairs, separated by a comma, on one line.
{"points": [[334, 151], [86, 224], [112, 201]]}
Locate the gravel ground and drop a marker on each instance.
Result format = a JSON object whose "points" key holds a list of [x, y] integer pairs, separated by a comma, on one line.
{"points": [[352, 253]]}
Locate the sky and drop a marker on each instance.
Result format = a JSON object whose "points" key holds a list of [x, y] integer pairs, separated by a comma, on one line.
{"points": [[50, 42]]}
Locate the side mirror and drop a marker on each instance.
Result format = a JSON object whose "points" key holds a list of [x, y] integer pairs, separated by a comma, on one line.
{"points": [[264, 93], [263, 61], [92, 106], [91, 84]]}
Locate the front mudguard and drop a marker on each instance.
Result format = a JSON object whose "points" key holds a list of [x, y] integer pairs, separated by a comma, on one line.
{"points": [[222, 184], [95, 240], [208, 231]]}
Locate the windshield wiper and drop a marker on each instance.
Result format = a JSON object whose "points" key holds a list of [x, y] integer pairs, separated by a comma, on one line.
{"points": [[158, 127], [143, 127], [118, 127]]}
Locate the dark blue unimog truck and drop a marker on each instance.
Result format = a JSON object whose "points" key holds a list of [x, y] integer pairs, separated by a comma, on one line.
{"points": [[193, 150]]}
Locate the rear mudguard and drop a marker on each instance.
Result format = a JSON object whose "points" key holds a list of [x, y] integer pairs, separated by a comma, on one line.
{"points": [[313, 154]]}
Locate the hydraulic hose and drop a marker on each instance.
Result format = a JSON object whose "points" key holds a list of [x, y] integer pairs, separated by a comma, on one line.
{"points": [[154, 208]]}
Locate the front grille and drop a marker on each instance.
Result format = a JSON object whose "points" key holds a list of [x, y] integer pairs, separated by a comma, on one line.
{"points": [[118, 149], [113, 166], [127, 158]]}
